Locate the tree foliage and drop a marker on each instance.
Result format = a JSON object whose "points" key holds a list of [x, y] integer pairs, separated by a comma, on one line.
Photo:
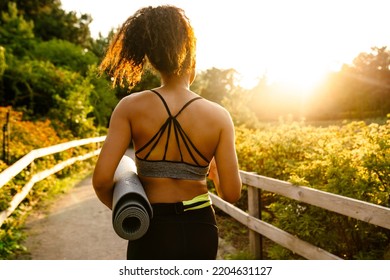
{"points": [[52, 22], [214, 84], [64, 54], [358, 91], [16, 33], [51, 72], [3, 64]]}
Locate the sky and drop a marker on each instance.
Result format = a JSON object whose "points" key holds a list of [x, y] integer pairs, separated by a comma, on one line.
{"points": [[290, 41]]}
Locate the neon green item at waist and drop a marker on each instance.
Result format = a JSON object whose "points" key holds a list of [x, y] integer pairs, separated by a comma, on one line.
{"points": [[200, 201]]}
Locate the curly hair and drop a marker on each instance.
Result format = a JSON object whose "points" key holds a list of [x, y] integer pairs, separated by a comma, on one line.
{"points": [[162, 36]]}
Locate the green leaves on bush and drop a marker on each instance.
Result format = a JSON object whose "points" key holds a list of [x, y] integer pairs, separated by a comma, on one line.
{"points": [[352, 160]]}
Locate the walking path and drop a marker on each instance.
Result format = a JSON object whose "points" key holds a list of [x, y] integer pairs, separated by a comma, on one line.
{"points": [[78, 227]]}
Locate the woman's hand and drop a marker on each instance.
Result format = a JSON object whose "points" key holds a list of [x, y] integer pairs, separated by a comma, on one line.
{"points": [[213, 171]]}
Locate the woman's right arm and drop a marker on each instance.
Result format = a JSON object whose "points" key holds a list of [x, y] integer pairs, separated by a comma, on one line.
{"points": [[117, 141], [224, 169]]}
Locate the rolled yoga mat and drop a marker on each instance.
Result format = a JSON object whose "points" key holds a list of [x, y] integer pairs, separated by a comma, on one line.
{"points": [[131, 210]]}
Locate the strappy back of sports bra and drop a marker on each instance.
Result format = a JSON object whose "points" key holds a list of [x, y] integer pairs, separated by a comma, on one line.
{"points": [[192, 164]]}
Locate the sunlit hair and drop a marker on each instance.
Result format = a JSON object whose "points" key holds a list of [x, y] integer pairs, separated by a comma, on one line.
{"points": [[162, 36]]}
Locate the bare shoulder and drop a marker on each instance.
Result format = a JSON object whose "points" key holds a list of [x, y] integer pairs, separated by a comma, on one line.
{"points": [[217, 110], [134, 98], [134, 102]]}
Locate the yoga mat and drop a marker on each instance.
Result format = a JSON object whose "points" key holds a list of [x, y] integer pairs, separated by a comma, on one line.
{"points": [[131, 210]]}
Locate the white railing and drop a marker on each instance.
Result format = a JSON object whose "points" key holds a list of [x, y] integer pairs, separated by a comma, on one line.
{"points": [[9, 173]]}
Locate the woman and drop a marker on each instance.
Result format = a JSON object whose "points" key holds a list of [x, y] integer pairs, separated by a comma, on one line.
{"points": [[179, 138]]}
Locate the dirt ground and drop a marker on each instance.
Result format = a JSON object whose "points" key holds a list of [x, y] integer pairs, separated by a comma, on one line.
{"points": [[78, 227]]}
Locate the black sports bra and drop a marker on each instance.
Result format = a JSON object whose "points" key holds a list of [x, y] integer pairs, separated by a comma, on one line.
{"points": [[192, 164]]}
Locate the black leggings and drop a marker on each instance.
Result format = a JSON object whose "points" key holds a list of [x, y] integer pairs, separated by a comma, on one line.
{"points": [[177, 235]]}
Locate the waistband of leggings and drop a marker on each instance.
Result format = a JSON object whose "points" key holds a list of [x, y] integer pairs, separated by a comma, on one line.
{"points": [[198, 202]]}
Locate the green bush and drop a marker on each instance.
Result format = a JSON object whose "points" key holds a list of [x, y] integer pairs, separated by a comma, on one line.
{"points": [[24, 137], [352, 160]]}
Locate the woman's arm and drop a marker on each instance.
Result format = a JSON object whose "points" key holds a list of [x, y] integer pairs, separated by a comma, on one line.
{"points": [[224, 167], [114, 147]]}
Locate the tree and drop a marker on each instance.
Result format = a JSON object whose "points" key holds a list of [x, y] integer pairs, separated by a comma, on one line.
{"points": [[237, 102], [16, 33], [72, 105], [102, 98], [214, 84], [371, 73], [358, 91], [30, 84], [52, 22], [52, 75], [65, 54], [3, 64], [99, 45]]}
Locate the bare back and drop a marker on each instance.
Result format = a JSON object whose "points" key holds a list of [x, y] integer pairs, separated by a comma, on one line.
{"points": [[201, 121]]}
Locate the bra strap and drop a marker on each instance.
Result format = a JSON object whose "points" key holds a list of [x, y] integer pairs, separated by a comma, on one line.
{"points": [[166, 105]]}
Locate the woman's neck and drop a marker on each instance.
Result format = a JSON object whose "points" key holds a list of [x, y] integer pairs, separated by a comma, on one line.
{"points": [[175, 82]]}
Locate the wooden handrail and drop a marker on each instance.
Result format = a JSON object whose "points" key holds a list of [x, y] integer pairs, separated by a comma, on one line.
{"points": [[364, 211], [275, 234], [17, 167], [361, 210], [20, 196], [22, 163]]}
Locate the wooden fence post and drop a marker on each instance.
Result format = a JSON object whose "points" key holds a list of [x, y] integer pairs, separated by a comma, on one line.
{"points": [[255, 239]]}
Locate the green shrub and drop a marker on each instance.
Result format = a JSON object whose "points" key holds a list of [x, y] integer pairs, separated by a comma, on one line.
{"points": [[352, 160], [24, 137]]}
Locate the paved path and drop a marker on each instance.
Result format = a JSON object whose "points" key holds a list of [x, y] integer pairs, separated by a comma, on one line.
{"points": [[78, 227]]}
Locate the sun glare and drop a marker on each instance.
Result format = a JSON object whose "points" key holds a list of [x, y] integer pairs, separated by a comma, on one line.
{"points": [[301, 75], [295, 44], [291, 42], [302, 79]]}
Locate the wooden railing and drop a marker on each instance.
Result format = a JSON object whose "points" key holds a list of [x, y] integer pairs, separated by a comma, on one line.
{"points": [[8, 174], [357, 209], [364, 211]]}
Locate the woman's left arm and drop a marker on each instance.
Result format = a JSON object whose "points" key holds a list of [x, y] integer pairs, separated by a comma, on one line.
{"points": [[114, 147]]}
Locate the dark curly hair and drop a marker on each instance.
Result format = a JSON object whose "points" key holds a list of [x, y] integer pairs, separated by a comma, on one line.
{"points": [[162, 36]]}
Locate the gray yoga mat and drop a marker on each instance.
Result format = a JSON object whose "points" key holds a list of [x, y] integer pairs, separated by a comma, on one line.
{"points": [[131, 210]]}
